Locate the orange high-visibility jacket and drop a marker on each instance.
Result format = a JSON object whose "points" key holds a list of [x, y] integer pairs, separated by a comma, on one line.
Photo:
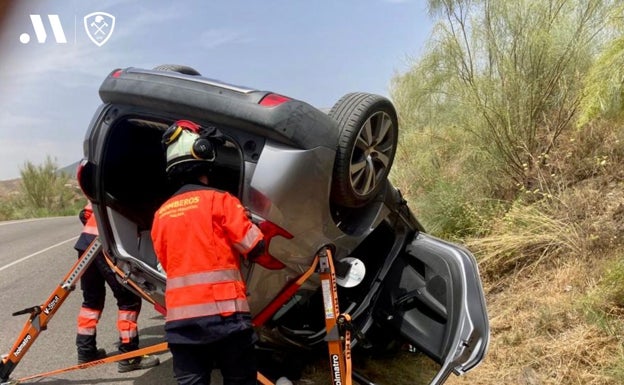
{"points": [[91, 226], [198, 236]]}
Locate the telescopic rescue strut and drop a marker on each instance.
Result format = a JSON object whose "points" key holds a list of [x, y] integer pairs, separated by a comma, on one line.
{"points": [[42, 314]]}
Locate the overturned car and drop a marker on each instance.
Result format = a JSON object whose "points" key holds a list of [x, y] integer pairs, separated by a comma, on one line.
{"points": [[313, 180]]}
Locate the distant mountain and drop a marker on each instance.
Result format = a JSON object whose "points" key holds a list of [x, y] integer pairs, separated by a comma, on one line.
{"points": [[70, 170]]}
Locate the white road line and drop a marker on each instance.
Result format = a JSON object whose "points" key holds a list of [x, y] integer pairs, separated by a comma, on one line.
{"points": [[19, 221], [36, 253], [25, 220]]}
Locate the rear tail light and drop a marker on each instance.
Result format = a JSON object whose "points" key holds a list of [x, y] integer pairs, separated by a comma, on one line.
{"points": [[272, 100], [85, 174]]}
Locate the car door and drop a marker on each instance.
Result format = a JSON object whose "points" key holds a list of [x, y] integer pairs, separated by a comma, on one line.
{"points": [[433, 297]]}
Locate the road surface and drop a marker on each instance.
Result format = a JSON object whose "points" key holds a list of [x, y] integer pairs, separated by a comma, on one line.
{"points": [[35, 255]]}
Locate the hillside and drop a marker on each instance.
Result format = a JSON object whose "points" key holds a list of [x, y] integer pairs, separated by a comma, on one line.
{"points": [[553, 273], [548, 327], [9, 187], [70, 169]]}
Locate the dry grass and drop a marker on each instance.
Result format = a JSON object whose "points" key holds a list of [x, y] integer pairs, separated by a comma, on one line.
{"points": [[523, 238], [554, 279], [540, 334]]}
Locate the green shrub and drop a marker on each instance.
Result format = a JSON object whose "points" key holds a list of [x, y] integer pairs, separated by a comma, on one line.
{"points": [[43, 193]]}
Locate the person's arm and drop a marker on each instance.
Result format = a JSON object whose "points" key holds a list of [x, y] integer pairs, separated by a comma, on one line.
{"points": [[257, 251], [246, 237], [243, 234]]}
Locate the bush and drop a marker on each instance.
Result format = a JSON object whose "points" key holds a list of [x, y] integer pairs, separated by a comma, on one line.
{"points": [[44, 189], [444, 176], [43, 192]]}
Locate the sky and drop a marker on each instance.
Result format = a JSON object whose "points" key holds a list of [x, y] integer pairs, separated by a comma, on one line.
{"points": [[315, 51]]}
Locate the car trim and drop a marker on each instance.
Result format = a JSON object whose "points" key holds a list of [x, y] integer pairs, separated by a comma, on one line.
{"points": [[212, 82]]}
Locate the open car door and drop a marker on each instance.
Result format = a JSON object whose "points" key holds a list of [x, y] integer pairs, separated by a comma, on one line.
{"points": [[433, 297]]}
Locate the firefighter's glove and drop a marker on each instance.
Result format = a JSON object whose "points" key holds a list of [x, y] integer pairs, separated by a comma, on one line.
{"points": [[260, 255], [84, 216]]}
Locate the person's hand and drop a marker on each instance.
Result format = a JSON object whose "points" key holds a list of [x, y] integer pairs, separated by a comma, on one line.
{"points": [[263, 257], [84, 216], [260, 255], [268, 261]]}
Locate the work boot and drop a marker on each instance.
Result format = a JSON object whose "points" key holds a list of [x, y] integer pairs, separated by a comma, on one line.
{"points": [[84, 357], [142, 362], [86, 346]]}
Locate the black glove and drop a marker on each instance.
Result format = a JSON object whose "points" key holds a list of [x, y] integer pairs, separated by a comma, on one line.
{"points": [[83, 216], [260, 255]]}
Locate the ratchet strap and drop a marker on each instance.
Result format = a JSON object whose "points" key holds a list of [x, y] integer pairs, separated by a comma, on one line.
{"points": [[161, 347], [129, 281]]}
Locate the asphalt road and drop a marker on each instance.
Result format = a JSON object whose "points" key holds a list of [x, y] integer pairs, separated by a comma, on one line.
{"points": [[35, 255]]}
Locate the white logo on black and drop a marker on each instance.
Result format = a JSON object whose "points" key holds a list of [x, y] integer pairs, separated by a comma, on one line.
{"points": [[99, 27]]}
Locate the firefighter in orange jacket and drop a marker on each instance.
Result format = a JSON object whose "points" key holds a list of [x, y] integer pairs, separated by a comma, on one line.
{"points": [[94, 293], [199, 235]]}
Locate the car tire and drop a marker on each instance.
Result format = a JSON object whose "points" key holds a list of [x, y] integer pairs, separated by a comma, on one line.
{"points": [[366, 147], [177, 68]]}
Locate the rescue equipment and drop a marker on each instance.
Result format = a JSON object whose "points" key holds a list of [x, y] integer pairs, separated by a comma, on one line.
{"points": [[338, 326]]}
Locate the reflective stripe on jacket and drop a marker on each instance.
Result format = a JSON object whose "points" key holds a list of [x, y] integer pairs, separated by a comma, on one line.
{"points": [[198, 236]]}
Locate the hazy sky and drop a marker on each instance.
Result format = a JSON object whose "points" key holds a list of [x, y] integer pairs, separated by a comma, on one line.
{"points": [[314, 50]]}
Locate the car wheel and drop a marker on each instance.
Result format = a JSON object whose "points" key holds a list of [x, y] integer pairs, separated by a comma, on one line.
{"points": [[177, 68], [366, 147]]}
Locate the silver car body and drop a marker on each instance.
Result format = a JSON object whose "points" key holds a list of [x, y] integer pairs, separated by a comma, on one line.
{"points": [[426, 290]]}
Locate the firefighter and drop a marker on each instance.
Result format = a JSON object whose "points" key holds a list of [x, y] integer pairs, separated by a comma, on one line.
{"points": [[93, 288], [199, 235]]}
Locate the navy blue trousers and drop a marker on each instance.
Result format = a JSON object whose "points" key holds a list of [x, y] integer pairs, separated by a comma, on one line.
{"points": [[233, 355]]}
